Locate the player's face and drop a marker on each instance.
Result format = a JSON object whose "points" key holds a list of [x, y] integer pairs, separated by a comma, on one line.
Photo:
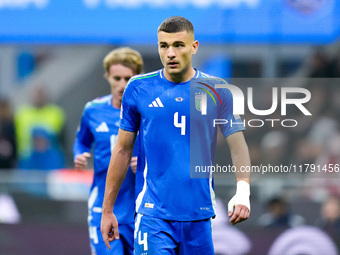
{"points": [[175, 51], [118, 76]]}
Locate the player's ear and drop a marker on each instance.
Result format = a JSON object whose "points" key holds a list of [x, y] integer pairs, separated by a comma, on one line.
{"points": [[195, 47], [106, 76]]}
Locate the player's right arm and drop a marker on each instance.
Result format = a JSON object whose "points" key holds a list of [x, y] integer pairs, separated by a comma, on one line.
{"points": [[119, 164], [83, 143]]}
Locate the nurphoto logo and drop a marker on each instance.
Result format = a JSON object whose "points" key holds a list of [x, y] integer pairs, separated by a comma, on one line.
{"points": [[295, 96]]}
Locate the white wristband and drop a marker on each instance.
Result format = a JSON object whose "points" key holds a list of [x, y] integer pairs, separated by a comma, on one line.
{"points": [[241, 197], [243, 187]]}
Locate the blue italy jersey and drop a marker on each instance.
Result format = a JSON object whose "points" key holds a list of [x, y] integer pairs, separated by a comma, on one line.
{"points": [[170, 116], [98, 130]]}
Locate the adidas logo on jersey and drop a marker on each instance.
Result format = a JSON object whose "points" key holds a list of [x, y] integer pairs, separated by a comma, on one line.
{"points": [[156, 103], [102, 127]]}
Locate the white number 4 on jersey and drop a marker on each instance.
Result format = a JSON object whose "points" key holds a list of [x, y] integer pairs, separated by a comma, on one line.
{"points": [[181, 124], [144, 241]]}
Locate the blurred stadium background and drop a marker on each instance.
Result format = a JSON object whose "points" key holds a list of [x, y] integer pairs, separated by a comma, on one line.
{"points": [[259, 43]]}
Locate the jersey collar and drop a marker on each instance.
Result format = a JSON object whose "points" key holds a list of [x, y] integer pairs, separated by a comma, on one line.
{"points": [[161, 74]]}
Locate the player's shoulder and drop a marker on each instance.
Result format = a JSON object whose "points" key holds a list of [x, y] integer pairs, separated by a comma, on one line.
{"points": [[216, 84], [98, 102], [210, 81], [145, 78], [211, 78]]}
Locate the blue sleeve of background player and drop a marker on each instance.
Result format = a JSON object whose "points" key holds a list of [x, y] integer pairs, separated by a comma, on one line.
{"points": [[130, 118], [84, 137]]}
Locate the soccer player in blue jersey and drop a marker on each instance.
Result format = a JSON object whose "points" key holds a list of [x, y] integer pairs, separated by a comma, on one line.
{"points": [[174, 210], [98, 130]]}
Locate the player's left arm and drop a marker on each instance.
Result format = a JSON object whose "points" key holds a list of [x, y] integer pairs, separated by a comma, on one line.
{"points": [[239, 205]]}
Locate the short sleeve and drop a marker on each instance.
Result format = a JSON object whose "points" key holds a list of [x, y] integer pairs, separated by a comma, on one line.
{"points": [[234, 123], [84, 137]]}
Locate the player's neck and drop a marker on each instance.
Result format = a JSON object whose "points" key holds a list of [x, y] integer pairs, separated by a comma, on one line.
{"points": [[185, 76], [116, 103]]}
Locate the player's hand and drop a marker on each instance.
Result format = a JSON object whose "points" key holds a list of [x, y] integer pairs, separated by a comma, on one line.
{"points": [[133, 164], [80, 161], [109, 228], [239, 205], [239, 214]]}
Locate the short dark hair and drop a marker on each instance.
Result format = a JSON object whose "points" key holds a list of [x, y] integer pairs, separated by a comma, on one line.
{"points": [[176, 24]]}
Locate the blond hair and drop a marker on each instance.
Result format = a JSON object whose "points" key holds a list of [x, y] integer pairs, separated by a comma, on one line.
{"points": [[126, 57]]}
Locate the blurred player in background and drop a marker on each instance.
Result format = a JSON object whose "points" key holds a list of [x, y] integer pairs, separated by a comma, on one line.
{"points": [[174, 210], [98, 129]]}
